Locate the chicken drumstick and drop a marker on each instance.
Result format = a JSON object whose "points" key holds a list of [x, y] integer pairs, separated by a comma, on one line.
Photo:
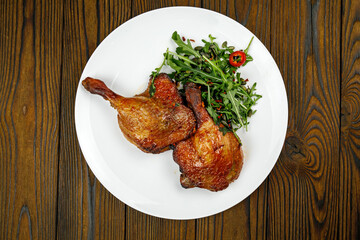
{"points": [[151, 123], [208, 159]]}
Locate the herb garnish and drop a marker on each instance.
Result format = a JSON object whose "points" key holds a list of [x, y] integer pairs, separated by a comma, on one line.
{"points": [[154, 74], [226, 95]]}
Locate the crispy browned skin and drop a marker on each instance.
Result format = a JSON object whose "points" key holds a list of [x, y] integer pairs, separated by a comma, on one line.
{"points": [[152, 124], [208, 159]]}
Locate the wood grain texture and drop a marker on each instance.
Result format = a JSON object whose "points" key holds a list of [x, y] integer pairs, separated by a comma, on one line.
{"points": [[247, 219], [349, 202], [143, 226], [303, 187], [47, 190], [147, 5], [86, 210], [30, 47]]}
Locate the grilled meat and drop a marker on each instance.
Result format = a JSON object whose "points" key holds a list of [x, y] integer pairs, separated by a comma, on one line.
{"points": [[151, 123], [208, 159]]}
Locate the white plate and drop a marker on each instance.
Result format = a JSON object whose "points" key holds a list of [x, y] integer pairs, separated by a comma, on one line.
{"points": [[150, 182]]}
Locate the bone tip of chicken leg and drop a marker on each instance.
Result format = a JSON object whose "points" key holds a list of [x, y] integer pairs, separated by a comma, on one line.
{"points": [[96, 86]]}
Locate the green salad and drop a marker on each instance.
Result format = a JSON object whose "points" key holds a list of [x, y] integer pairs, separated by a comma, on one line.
{"points": [[227, 96]]}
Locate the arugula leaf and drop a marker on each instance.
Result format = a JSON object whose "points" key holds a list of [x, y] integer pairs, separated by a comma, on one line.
{"points": [[235, 104], [247, 48], [152, 88], [182, 47], [248, 59], [155, 73], [172, 64], [211, 38], [194, 70], [212, 112], [227, 97], [216, 68], [183, 58]]}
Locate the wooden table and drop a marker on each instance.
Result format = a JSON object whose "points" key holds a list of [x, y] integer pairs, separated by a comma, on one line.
{"points": [[48, 191]]}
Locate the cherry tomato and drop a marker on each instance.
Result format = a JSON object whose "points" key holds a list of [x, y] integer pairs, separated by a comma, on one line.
{"points": [[237, 58]]}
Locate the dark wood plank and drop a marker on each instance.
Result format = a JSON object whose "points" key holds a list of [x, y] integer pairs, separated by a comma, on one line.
{"points": [[86, 210], [140, 225], [143, 226], [30, 47], [304, 185], [147, 5], [349, 203], [247, 219]]}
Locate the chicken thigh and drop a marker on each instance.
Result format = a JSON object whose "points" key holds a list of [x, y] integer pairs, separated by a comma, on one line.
{"points": [[151, 123], [208, 159]]}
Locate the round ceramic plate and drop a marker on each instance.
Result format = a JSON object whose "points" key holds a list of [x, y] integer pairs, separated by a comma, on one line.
{"points": [[150, 182]]}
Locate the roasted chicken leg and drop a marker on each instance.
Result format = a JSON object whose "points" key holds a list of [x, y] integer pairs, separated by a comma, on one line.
{"points": [[208, 159], [151, 123]]}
